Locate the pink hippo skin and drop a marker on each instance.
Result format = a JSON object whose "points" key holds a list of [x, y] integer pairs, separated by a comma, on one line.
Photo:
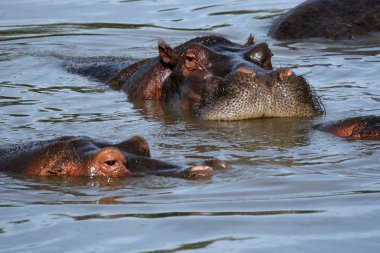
{"points": [[364, 127], [82, 156]]}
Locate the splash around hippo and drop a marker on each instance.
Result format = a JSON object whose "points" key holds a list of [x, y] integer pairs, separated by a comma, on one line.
{"points": [[214, 78], [83, 156]]}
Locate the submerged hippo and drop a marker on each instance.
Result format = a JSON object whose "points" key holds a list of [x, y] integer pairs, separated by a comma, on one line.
{"points": [[363, 127], [216, 79], [335, 19], [82, 156]]}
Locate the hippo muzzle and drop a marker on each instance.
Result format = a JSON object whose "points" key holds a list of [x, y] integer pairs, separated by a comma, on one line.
{"points": [[247, 93]]}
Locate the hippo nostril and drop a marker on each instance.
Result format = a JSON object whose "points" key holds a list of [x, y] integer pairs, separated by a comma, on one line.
{"points": [[285, 73], [246, 71]]}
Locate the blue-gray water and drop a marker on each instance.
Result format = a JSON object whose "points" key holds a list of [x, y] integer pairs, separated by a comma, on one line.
{"points": [[288, 188]]}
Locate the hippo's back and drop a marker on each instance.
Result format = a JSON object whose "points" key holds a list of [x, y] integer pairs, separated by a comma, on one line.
{"points": [[336, 19]]}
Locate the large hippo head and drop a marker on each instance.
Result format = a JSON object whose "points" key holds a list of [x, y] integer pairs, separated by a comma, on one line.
{"points": [[222, 80], [215, 78], [83, 156]]}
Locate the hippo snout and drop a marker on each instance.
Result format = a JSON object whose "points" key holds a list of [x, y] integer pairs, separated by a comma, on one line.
{"points": [[248, 93]]}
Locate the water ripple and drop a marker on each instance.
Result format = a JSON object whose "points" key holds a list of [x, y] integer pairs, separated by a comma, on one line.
{"points": [[186, 214]]}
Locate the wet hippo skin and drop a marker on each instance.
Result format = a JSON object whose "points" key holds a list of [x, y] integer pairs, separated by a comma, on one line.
{"points": [[335, 19], [83, 156], [215, 78], [363, 127]]}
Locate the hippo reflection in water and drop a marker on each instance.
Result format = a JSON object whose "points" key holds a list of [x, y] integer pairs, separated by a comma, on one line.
{"points": [[82, 156], [215, 78]]}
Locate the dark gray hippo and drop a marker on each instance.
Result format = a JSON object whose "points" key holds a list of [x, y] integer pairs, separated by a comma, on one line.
{"points": [[214, 78], [334, 19], [83, 156]]}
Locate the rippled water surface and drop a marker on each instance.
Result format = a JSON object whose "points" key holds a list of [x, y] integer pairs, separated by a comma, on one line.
{"points": [[288, 188]]}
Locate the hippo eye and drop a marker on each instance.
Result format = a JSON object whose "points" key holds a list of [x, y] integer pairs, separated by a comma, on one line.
{"points": [[191, 61], [190, 58], [260, 55], [110, 162]]}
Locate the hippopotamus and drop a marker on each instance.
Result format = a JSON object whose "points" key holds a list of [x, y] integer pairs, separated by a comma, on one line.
{"points": [[215, 78], [334, 19], [83, 156], [362, 127]]}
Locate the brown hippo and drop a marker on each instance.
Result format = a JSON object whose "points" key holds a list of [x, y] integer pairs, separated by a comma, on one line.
{"points": [[215, 78], [335, 19], [363, 127], [82, 156]]}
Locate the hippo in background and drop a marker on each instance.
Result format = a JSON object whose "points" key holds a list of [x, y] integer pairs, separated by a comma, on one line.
{"points": [[83, 156], [214, 78], [362, 127], [333, 19]]}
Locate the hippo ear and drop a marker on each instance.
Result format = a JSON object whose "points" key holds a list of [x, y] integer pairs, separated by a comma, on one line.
{"points": [[250, 41], [136, 145], [167, 54]]}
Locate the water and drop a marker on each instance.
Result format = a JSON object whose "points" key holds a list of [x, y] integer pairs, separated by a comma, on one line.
{"points": [[288, 188]]}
